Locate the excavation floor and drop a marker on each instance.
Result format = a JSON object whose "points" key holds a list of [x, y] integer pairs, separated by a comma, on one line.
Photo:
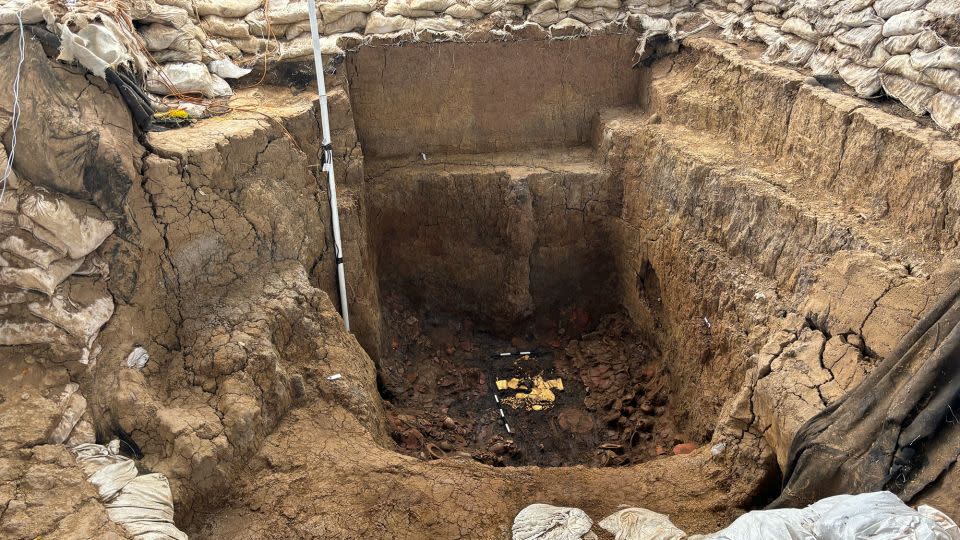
{"points": [[440, 377]]}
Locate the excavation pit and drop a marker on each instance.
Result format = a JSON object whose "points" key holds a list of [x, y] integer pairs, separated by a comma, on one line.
{"points": [[494, 227]]}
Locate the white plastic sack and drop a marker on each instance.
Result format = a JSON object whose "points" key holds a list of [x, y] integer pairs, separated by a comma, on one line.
{"points": [[226, 8], [142, 505], [889, 8], [137, 358], [95, 47], [944, 57], [947, 80], [30, 249], [31, 12], [78, 226], [864, 39], [546, 522], [227, 69], [28, 333], [226, 27], [878, 516], [914, 95], [859, 19], [800, 28], [43, 280], [945, 110], [72, 407], [187, 78], [378, 23], [865, 81], [641, 524], [908, 22], [943, 8], [82, 322]]}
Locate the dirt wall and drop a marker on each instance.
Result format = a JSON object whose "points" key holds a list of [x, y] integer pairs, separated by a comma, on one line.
{"points": [[454, 98]]}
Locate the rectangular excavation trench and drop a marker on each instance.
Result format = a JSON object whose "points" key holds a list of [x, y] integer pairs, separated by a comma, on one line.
{"points": [[494, 227]]}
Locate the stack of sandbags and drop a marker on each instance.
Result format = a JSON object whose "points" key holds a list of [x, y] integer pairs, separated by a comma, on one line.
{"points": [[46, 239], [891, 45], [141, 503]]}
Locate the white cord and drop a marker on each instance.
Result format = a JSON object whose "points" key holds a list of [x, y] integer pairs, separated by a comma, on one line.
{"points": [[15, 121]]}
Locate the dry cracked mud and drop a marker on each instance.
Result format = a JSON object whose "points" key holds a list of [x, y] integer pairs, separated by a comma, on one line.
{"points": [[706, 249]]}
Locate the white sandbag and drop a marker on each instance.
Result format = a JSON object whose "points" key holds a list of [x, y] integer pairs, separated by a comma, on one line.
{"points": [[611, 4], [331, 11], [144, 507], [302, 47], [915, 96], [943, 8], [641, 524], [944, 58], [284, 12], [186, 78], [770, 20], [416, 8], [79, 226], [29, 249], [865, 81], [158, 37], [137, 358], [378, 23], [220, 26], [72, 406], [227, 69], [947, 80], [356, 20], [105, 468], [901, 44], [823, 63], [463, 11], [95, 47], [941, 519], [878, 516], [149, 11], [864, 39], [787, 523], [859, 19], [546, 522], [546, 18], [489, 6], [591, 15], [28, 333], [908, 22], [40, 279], [543, 5], [438, 24], [567, 27], [82, 322], [8, 298], [191, 53], [800, 28], [900, 65], [889, 8], [765, 7], [944, 109], [929, 41], [878, 58], [767, 34], [226, 8], [31, 12], [790, 50]]}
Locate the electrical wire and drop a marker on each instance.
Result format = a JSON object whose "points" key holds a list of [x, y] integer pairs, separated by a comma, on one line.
{"points": [[15, 117]]}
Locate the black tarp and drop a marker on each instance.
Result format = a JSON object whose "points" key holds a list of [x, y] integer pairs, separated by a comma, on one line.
{"points": [[898, 430]]}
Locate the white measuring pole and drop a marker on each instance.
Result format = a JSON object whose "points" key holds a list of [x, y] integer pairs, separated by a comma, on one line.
{"points": [[328, 161]]}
